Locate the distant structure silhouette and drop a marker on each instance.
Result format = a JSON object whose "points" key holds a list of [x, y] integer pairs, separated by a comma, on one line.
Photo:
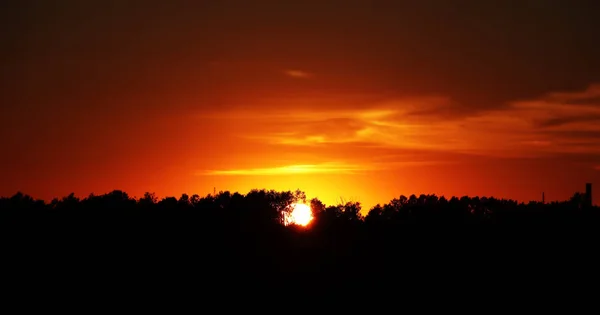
{"points": [[588, 195], [543, 198]]}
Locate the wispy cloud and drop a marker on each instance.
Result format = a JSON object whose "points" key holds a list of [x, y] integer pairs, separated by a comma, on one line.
{"points": [[325, 168], [589, 95], [554, 123], [298, 74], [388, 123]]}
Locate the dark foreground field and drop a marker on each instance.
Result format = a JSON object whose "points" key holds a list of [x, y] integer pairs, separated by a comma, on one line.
{"points": [[113, 250]]}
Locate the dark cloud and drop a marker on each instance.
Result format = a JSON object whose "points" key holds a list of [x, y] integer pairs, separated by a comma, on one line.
{"points": [[560, 121], [444, 111], [70, 59], [593, 100], [581, 136]]}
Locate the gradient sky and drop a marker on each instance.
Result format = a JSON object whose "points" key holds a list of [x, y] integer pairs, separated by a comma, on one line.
{"points": [[361, 100]]}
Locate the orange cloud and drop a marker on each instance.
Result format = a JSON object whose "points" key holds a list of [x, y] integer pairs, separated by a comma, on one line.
{"points": [[554, 123], [591, 94], [298, 74], [325, 168], [301, 136], [387, 124]]}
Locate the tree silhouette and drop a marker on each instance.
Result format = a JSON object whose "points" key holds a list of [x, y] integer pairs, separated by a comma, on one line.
{"points": [[239, 238]]}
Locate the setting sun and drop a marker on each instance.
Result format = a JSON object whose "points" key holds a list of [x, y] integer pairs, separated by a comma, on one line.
{"points": [[301, 214]]}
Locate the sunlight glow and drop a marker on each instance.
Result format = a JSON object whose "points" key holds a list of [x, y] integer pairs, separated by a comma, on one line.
{"points": [[335, 168], [301, 214]]}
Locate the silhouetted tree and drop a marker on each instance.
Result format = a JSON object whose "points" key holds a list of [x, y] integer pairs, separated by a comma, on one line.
{"points": [[242, 235]]}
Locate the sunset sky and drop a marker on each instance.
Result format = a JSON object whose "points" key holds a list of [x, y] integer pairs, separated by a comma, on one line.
{"points": [[360, 100]]}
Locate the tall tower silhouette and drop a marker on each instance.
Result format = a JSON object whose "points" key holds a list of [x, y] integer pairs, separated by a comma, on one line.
{"points": [[588, 195], [543, 198]]}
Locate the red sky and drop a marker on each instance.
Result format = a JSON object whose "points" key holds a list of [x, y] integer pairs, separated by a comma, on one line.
{"points": [[360, 100]]}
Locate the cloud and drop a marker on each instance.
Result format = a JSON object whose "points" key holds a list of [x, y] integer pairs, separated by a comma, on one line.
{"points": [[388, 123], [560, 121], [298, 74], [324, 168], [367, 126], [551, 124], [591, 95]]}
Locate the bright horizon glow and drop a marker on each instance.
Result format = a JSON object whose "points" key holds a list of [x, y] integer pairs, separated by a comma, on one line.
{"points": [[336, 168], [301, 214]]}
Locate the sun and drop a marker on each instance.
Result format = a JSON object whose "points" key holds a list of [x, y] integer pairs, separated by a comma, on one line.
{"points": [[301, 214]]}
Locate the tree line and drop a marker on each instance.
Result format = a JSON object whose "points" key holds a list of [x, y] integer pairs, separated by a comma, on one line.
{"points": [[232, 242], [268, 207]]}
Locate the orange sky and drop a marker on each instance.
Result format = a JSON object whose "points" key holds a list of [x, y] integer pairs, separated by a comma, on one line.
{"points": [[364, 101]]}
